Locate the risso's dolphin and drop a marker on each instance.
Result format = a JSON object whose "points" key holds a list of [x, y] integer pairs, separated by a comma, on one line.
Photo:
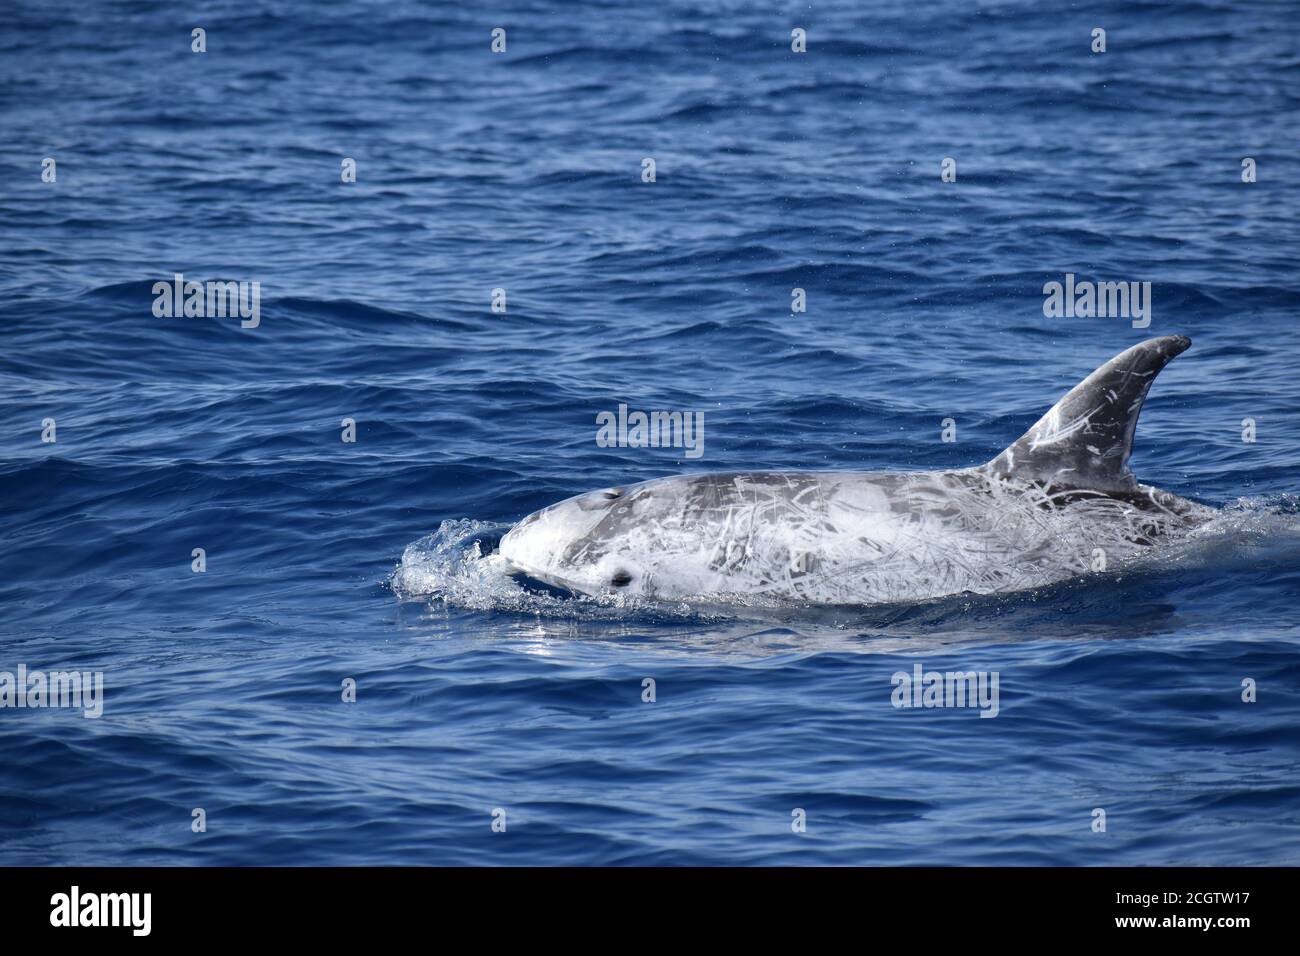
{"points": [[1058, 503]]}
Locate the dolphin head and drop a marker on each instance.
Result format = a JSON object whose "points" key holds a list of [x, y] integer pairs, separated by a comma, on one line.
{"points": [[566, 545]]}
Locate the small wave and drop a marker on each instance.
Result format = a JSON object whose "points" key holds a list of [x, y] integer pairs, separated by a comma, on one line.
{"points": [[1265, 519], [1245, 531], [451, 566]]}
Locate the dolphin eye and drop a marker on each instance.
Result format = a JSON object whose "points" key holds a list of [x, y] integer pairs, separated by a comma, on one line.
{"points": [[612, 493], [621, 579]]}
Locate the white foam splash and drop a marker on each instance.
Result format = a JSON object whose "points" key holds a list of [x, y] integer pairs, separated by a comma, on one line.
{"points": [[1260, 529], [450, 566]]}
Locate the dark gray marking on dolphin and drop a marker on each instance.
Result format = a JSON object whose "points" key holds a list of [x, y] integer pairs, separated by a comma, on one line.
{"points": [[1085, 439], [1040, 512]]}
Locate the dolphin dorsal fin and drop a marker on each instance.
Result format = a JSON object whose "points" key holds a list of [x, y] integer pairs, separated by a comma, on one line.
{"points": [[1086, 438]]}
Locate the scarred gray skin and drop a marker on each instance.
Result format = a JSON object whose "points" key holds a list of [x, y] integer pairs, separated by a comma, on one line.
{"points": [[1057, 504]]}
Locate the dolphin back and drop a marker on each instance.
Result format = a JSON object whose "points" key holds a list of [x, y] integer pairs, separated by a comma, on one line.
{"points": [[1085, 439]]}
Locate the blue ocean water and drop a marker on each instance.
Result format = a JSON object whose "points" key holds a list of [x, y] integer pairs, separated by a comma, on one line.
{"points": [[522, 170]]}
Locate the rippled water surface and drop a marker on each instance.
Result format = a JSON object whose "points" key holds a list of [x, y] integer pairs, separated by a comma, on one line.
{"points": [[522, 170]]}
